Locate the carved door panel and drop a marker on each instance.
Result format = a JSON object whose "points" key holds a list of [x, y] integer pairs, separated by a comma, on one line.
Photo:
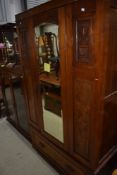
{"points": [[83, 100], [83, 88], [81, 84], [83, 50]]}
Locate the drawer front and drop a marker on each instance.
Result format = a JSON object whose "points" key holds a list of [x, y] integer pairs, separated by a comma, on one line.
{"points": [[56, 157]]}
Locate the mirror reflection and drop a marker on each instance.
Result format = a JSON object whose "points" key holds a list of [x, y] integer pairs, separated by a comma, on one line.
{"points": [[47, 44]]}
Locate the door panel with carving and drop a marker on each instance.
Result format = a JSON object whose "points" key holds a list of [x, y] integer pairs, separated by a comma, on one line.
{"points": [[82, 80]]}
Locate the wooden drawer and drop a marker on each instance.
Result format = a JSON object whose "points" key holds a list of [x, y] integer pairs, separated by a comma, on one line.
{"points": [[60, 160]]}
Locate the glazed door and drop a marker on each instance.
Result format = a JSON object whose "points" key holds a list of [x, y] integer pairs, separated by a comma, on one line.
{"points": [[25, 40], [50, 51], [21, 108]]}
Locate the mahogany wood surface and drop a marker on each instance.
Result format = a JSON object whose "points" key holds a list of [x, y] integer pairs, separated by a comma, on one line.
{"points": [[88, 80]]}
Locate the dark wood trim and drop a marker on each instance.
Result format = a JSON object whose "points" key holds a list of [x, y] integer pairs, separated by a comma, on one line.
{"points": [[106, 158], [101, 55], [43, 8]]}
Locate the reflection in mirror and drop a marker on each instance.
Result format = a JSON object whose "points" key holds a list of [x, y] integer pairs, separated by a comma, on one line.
{"points": [[46, 38]]}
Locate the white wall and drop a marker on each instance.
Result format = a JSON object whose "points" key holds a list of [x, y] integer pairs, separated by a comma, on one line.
{"points": [[13, 7], [2, 12], [33, 3], [8, 10]]}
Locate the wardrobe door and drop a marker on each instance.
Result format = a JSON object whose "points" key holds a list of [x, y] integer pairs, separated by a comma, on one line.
{"points": [[50, 51], [25, 41], [83, 82]]}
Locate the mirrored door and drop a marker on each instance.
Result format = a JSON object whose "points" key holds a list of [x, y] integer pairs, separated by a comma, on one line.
{"points": [[48, 56]]}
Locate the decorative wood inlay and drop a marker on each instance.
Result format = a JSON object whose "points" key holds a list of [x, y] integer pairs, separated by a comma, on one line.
{"points": [[84, 32], [82, 105], [82, 40]]}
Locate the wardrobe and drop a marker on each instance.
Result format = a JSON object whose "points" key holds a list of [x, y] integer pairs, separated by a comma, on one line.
{"points": [[69, 59]]}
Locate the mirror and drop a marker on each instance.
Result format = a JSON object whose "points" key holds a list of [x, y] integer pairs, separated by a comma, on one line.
{"points": [[47, 44]]}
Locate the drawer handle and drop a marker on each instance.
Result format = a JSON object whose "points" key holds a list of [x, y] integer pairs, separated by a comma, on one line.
{"points": [[42, 145], [69, 168]]}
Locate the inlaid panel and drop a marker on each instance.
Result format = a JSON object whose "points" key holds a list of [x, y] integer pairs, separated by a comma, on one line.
{"points": [[84, 32], [83, 40], [82, 108]]}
